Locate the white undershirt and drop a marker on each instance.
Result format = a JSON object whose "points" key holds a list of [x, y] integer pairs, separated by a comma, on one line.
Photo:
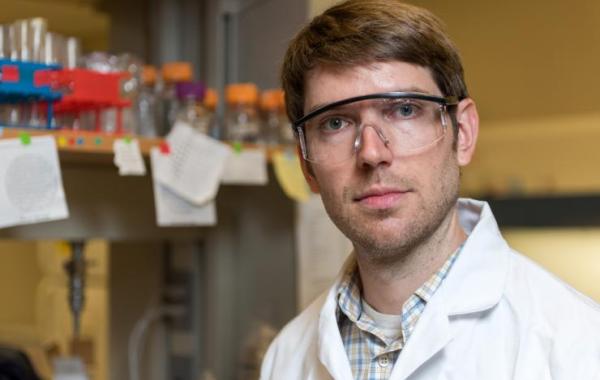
{"points": [[389, 324]]}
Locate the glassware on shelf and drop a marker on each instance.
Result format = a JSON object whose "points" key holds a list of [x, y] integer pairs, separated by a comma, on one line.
{"points": [[276, 126], [172, 73], [191, 108], [211, 101], [147, 103], [241, 117]]}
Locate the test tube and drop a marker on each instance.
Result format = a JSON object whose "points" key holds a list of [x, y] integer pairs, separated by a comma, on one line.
{"points": [[37, 38], [54, 49], [21, 29], [4, 42], [12, 45], [73, 52]]}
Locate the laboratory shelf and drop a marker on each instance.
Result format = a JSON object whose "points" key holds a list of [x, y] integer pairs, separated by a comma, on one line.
{"points": [[82, 143], [97, 148]]}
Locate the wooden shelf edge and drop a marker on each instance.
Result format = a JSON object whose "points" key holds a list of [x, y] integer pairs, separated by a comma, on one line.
{"points": [[74, 144]]}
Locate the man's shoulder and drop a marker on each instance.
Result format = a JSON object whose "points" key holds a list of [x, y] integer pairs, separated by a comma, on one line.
{"points": [[546, 297]]}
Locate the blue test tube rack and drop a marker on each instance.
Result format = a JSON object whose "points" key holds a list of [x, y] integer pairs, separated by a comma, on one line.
{"points": [[18, 85]]}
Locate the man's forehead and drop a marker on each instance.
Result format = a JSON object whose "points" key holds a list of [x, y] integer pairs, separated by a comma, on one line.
{"points": [[325, 84]]}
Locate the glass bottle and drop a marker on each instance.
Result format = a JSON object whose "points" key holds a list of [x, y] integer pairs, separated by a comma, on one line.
{"points": [[241, 118], [146, 106], [276, 127], [172, 73], [211, 101], [191, 109]]}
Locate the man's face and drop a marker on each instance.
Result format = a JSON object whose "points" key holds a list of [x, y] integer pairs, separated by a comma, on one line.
{"points": [[384, 203]]}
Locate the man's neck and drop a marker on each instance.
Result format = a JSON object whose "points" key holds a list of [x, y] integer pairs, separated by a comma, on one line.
{"points": [[386, 288]]}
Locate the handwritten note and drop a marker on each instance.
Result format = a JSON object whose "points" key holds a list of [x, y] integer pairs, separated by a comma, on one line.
{"points": [[31, 188], [173, 210], [194, 165], [128, 157]]}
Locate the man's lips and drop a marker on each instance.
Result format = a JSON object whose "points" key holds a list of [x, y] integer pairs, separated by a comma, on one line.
{"points": [[380, 198]]}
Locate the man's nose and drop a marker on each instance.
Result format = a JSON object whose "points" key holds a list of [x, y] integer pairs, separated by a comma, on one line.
{"points": [[372, 147]]}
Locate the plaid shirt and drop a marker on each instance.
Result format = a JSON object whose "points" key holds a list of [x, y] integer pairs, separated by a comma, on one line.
{"points": [[372, 355]]}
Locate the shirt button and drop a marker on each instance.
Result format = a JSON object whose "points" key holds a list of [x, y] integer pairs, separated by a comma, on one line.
{"points": [[383, 361]]}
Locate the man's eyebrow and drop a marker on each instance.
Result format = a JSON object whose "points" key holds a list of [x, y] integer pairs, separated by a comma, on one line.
{"points": [[402, 89]]}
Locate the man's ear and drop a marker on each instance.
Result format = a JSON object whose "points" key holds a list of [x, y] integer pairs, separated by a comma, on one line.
{"points": [[468, 130], [308, 173]]}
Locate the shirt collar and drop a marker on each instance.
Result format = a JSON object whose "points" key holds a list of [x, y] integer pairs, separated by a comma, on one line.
{"points": [[349, 292]]}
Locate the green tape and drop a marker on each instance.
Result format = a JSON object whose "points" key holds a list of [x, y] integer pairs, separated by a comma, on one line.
{"points": [[25, 138]]}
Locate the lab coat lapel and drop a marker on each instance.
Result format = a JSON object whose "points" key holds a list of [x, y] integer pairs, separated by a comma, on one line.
{"points": [[332, 353], [475, 283], [432, 333]]}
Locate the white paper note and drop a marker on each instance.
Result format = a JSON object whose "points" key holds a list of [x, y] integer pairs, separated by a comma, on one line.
{"points": [[248, 167], [128, 157], [321, 249], [31, 188], [194, 166], [173, 210]]}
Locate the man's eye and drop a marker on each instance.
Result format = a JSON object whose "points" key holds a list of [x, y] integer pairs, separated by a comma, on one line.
{"points": [[333, 124], [405, 110]]}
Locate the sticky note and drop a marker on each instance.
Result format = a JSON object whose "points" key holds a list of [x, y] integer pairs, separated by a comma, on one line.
{"points": [[127, 140], [80, 141], [71, 141], [289, 175], [62, 141], [98, 141], [25, 138]]}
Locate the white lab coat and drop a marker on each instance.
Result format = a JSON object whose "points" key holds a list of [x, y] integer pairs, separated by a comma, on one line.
{"points": [[497, 315]]}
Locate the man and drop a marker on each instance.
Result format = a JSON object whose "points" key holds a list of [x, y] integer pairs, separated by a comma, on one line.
{"points": [[432, 291]]}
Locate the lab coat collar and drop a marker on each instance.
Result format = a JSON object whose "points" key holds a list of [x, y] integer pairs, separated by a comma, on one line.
{"points": [[477, 280]]}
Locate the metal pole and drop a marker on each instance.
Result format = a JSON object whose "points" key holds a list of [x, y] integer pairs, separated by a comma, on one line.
{"points": [[76, 271]]}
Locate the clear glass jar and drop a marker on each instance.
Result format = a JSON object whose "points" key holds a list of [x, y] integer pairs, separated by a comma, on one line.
{"points": [[191, 110], [276, 126], [242, 123], [146, 105], [211, 100], [172, 73]]}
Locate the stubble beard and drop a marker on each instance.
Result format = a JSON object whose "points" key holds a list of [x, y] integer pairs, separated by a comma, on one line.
{"points": [[364, 229]]}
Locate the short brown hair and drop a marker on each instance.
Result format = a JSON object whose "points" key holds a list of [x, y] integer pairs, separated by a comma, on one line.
{"points": [[358, 32]]}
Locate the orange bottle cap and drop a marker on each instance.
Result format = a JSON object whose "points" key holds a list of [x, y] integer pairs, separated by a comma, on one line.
{"points": [[272, 100], [211, 98], [148, 74], [177, 72], [241, 93]]}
